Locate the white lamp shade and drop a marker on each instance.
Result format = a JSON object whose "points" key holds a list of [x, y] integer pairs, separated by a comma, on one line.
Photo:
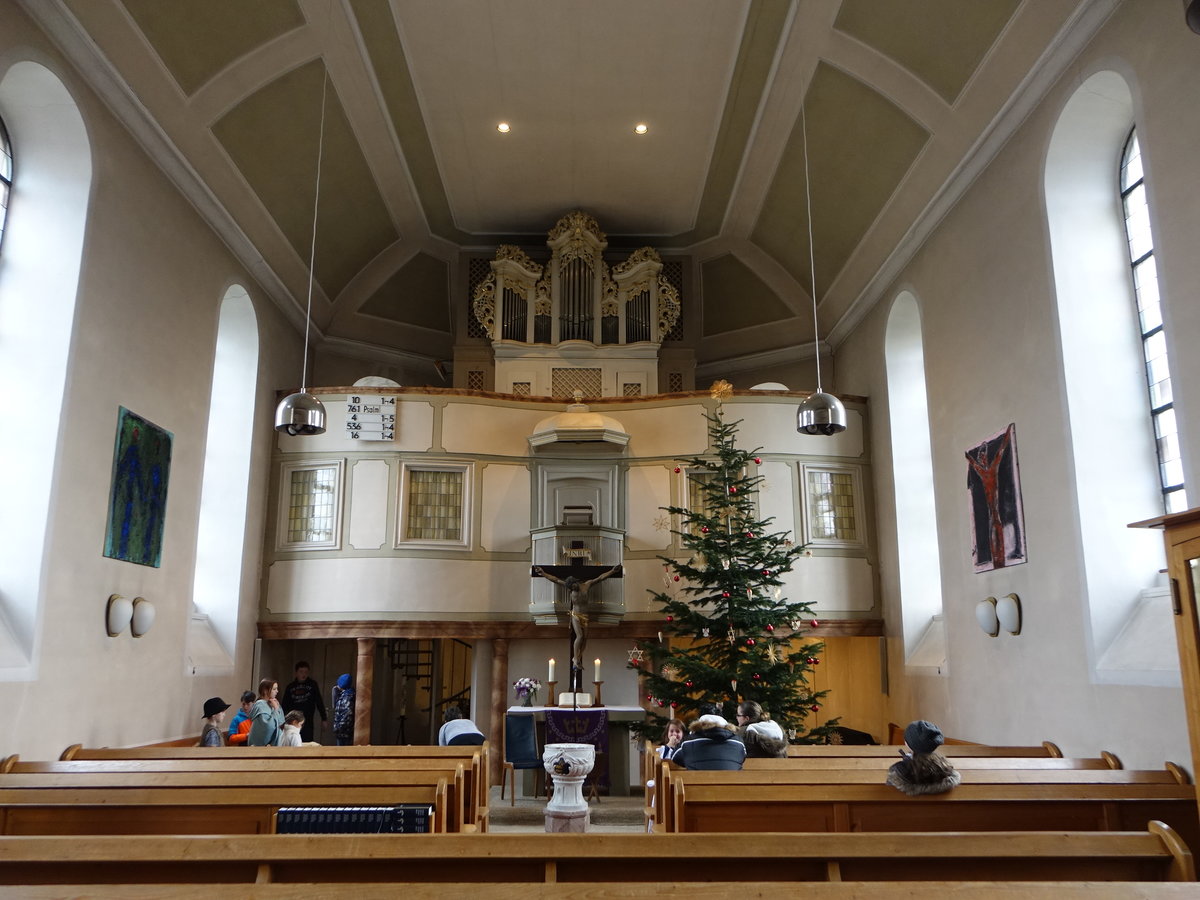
{"points": [[117, 614], [1008, 611], [985, 615], [143, 616]]}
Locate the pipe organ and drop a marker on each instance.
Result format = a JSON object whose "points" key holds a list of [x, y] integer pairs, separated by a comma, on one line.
{"points": [[574, 324]]}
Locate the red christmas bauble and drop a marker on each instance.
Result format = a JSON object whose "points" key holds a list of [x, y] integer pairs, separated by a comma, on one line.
{"points": [[733, 490], [660, 703], [814, 623], [749, 642], [677, 470], [670, 618], [757, 676], [811, 661], [749, 534], [770, 628], [757, 461], [676, 577], [725, 594], [673, 704], [704, 529], [766, 573], [815, 708], [688, 683], [816, 662]]}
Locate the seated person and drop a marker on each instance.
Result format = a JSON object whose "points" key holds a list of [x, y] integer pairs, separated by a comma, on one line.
{"points": [[458, 731], [672, 738], [214, 714], [926, 771], [290, 735], [713, 744], [764, 738], [239, 728]]}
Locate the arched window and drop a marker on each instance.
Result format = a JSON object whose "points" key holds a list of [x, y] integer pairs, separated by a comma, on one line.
{"points": [[6, 175], [1140, 241], [39, 281], [912, 472], [1111, 439], [217, 583]]}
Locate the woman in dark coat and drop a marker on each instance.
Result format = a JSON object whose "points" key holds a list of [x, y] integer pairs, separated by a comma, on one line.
{"points": [[713, 745]]}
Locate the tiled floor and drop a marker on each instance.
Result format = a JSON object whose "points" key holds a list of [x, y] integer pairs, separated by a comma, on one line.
{"points": [[611, 815]]}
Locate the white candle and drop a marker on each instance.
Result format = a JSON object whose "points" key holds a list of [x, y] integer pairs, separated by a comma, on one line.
{"points": [[597, 668], [551, 678]]}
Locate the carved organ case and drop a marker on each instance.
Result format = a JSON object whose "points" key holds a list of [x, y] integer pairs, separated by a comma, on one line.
{"points": [[573, 324]]}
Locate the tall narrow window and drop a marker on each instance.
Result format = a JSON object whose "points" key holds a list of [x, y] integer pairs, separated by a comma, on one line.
{"points": [[1140, 242], [6, 169], [39, 283], [221, 528], [912, 472]]}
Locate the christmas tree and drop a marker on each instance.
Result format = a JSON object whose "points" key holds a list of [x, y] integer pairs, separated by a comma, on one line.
{"points": [[728, 634]]}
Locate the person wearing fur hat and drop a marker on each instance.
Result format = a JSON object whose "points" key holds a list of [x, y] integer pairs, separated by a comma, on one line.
{"points": [[925, 771], [214, 714], [713, 744]]}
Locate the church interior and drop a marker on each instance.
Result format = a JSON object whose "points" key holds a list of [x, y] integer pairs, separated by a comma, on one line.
{"points": [[501, 253]]}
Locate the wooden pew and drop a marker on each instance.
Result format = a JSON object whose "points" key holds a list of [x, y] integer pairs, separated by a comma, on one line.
{"points": [[198, 810], [118, 783], [597, 861], [969, 807], [1047, 748], [655, 810], [478, 757], [464, 782], [849, 890]]}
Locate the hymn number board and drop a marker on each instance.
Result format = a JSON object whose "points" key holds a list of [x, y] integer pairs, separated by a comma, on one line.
{"points": [[370, 418]]}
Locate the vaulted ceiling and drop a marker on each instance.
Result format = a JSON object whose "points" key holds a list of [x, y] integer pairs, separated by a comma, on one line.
{"points": [[901, 104]]}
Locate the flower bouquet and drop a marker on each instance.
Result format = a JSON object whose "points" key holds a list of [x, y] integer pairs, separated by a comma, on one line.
{"points": [[527, 689]]}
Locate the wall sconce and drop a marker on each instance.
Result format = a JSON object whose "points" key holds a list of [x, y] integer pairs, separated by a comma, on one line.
{"points": [[117, 614], [1008, 612], [143, 616], [985, 615]]}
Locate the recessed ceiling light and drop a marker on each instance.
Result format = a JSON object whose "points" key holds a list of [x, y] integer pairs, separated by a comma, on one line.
{"points": [[502, 128], [641, 128]]}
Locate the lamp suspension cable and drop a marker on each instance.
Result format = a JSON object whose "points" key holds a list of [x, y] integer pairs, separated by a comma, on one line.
{"points": [[812, 259], [301, 413], [312, 253], [819, 413]]}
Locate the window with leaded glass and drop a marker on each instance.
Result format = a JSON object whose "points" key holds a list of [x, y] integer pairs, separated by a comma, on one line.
{"points": [[435, 505], [310, 517], [832, 506], [6, 173], [1154, 342]]}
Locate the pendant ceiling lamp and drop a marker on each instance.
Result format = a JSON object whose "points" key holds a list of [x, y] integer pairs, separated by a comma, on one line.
{"points": [[820, 413], [301, 413]]}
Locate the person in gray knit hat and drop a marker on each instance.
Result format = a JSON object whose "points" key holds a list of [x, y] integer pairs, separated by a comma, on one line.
{"points": [[926, 771]]}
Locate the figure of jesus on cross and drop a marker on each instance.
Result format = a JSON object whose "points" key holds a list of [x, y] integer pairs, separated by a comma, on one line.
{"points": [[577, 609]]}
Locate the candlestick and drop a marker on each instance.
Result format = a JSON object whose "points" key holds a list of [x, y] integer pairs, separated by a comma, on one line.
{"points": [[597, 668], [550, 677], [596, 700], [552, 693]]}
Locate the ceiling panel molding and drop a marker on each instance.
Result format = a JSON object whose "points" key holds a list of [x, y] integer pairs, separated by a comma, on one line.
{"points": [[80, 47], [1078, 28], [196, 39], [860, 147]]}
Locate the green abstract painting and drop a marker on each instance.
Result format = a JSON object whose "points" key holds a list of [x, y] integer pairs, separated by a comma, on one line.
{"points": [[137, 507]]}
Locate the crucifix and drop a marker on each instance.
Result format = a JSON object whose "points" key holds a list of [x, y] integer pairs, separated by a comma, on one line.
{"points": [[577, 578]]}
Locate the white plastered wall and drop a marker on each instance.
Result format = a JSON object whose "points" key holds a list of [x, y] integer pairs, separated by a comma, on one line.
{"points": [[986, 285], [150, 285]]}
